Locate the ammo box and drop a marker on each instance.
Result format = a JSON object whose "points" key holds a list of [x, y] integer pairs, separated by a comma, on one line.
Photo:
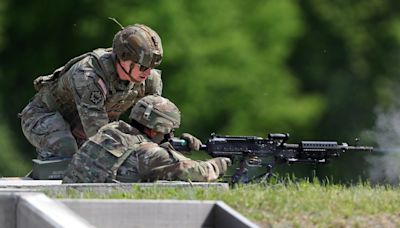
{"points": [[50, 169]]}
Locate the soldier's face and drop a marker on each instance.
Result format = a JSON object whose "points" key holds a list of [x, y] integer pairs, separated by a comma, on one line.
{"points": [[155, 136], [140, 73], [128, 70]]}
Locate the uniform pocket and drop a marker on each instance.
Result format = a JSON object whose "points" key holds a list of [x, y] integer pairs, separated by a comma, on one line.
{"points": [[49, 122]]}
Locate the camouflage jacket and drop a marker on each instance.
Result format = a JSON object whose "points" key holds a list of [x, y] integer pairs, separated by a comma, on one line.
{"points": [[120, 152], [89, 94]]}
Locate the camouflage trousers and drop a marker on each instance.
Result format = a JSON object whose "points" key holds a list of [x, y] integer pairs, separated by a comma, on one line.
{"points": [[47, 130]]}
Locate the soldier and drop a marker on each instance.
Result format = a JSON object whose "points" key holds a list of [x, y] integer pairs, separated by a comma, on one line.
{"points": [[92, 90], [138, 152]]}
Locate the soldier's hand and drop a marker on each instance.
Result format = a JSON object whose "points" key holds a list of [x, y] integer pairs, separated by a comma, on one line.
{"points": [[193, 142], [221, 163]]}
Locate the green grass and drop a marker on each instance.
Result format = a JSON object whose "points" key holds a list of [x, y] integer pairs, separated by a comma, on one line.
{"points": [[289, 203]]}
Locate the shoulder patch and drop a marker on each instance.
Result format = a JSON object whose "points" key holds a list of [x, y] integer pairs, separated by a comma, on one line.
{"points": [[95, 97]]}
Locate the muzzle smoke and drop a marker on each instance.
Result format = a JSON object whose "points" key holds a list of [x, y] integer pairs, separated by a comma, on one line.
{"points": [[385, 163]]}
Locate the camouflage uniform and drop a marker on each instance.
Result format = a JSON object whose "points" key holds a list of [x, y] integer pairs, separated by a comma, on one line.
{"points": [[76, 100], [121, 152]]}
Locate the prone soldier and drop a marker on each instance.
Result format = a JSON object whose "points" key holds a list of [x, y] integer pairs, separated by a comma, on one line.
{"points": [[140, 151]]}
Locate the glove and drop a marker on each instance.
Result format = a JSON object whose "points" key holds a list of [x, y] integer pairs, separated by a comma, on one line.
{"points": [[193, 142], [221, 164]]}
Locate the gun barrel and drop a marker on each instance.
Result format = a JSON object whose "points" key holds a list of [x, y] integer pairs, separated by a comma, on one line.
{"points": [[203, 147], [360, 148]]}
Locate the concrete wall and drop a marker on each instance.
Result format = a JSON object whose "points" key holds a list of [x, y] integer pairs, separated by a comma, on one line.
{"points": [[143, 213], [54, 187], [36, 210], [158, 213], [8, 203]]}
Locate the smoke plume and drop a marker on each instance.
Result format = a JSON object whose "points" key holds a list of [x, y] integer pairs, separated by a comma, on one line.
{"points": [[385, 163]]}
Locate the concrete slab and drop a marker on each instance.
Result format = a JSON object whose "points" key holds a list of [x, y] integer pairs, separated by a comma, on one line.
{"points": [[8, 207], [144, 213], [21, 181], [39, 211], [158, 213], [35, 210], [54, 187]]}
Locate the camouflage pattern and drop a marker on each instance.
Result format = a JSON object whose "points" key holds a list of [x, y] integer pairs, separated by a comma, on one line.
{"points": [[157, 113], [140, 44], [119, 152], [193, 142], [78, 99]]}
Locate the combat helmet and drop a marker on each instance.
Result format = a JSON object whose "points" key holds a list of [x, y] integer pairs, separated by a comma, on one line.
{"points": [[140, 44], [157, 113]]}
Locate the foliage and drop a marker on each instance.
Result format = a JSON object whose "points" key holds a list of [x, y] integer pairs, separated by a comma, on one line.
{"points": [[288, 203], [219, 69], [12, 162], [352, 55]]}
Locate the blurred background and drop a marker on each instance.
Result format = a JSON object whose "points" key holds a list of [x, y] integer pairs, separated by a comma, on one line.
{"points": [[326, 70]]}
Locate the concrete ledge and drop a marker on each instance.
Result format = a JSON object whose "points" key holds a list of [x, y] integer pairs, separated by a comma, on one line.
{"points": [[36, 210], [54, 187], [225, 216]]}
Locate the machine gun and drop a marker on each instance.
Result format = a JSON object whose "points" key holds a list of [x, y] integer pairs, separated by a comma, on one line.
{"points": [[252, 151]]}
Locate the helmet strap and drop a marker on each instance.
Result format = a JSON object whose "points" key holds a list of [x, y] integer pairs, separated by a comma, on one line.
{"points": [[126, 72]]}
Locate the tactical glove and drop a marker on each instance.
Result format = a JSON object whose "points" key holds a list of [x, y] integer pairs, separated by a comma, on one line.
{"points": [[193, 142], [221, 164]]}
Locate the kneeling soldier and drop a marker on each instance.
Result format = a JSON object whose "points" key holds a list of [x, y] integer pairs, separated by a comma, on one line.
{"points": [[138, 152]]}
